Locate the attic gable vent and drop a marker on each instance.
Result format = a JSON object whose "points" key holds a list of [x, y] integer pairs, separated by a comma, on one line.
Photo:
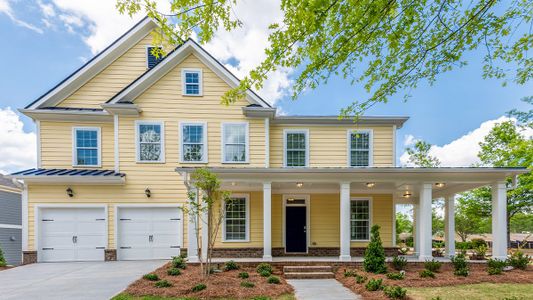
{"points": [[151, 60]]}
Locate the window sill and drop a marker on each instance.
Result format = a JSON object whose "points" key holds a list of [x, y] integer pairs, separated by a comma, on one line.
{"points": [[86, 166], [360, 241], [149, 162], [235, 241], [235, 162], [187, 95], [193, 162]]}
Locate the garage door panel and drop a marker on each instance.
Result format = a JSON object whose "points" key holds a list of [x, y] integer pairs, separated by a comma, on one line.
{"points": [[135, 253], [165, 252], [91, 254], [59, 214], [58, 255], [90, 227]]}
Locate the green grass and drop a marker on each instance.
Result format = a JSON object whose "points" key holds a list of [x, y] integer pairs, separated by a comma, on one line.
{"points": [[482, 291], [128, 297]]}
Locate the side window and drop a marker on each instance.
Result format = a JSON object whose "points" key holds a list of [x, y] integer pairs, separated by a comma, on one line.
{"points": [[360, 148], [192, 82], [193, 142], [235, 142], [360, 219], [151, 59], [237, 213], [296, 148], [86, 144], [150, 141]]}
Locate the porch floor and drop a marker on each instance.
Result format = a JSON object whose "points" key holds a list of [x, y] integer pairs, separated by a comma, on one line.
{"points": [[328, 259]]}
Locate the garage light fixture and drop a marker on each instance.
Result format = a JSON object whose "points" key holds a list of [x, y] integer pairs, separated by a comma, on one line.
{"points": [[70, 192], [370, 184], [407, 195], [148, 193], [299, 184]]}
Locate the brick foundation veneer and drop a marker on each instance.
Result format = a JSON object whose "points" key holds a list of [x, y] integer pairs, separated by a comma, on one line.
{"points": [[312, 251], [29, 257], [110, 254]]}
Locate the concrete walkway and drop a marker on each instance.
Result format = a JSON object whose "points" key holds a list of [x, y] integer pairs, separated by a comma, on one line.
{"points": [[320, 289], [73, 280]]}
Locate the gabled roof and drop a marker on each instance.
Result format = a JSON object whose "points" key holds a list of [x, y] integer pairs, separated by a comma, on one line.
{"points": [[151, 76], [94, 66]]}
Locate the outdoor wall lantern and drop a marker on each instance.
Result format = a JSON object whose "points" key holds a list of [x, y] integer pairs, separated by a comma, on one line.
{"points": [[299, 184], [148, 193], [407, 195], [440, 184], [370, 184], [70, 192]]}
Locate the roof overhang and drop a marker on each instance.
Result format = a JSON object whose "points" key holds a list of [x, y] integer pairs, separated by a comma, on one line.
{"points": [[70, 176], [68, 115], [124, 109], [175, 57], [335, 120], [259, 112]]}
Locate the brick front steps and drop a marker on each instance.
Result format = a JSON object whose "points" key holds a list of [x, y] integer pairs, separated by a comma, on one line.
{"points": [[308, 272]]}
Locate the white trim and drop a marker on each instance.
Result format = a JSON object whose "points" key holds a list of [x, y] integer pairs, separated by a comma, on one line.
{"points": [[296, 130], [116, 143], [38, 142], [137, 143], [10, 226], [247, 234], [37, 211], [205, 158], [246, 141], [141, 205], [75, 146], [25, 223], [307, 205], [267, 142], [370, 213], [88, 71], [200, 82], [394, 136], [370, 147]]}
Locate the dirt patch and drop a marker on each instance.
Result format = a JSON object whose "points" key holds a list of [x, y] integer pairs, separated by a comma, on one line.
{"points": [[225, 284], [5, 268], [478, 274]]}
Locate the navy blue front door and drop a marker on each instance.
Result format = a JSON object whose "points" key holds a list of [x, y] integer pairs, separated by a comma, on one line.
{"points": [[295, 229]]}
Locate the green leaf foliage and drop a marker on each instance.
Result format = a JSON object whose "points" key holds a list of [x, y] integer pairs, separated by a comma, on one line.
{"points": [[3, 262], [374, 259]]}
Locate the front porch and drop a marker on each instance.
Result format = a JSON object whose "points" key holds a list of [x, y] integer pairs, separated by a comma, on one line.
{"points": [[324, 214]]}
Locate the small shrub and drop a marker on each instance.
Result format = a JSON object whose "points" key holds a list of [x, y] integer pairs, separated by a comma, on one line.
{"points": [[174, 272], [265, 273], [151, 277], [463, 245], [231, 265], [396, 276], [395, 292], [461, 272], [261, 298], [163, 284], [494, 271], [399, 263], [179, 262], [476, 243], [264, 267], [360, 278], [243, 275], [436, 298], [3, 262], [432, 265], [495, 266], [247, 284], [374, 260], [480, 252], [199, 287], [273, 280], [350, 273], [460, 265], [403, 250], [519, 260], [427, 273], [374, 284]]}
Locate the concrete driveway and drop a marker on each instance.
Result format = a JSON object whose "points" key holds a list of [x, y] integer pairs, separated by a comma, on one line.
{"points": [[73, 280]]}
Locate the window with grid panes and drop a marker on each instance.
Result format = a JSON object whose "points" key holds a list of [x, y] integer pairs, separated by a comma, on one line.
{"points": [[87, 148], [235, 220], [193, 142], [234, 142], [192, 83], [360, 149], [360, 220], [296, 152], [149, 142]]}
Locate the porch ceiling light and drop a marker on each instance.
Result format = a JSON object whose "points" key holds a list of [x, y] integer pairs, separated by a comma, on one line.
{"points": [[440, 184], [407, 195], [299, 184], [370, 184]]}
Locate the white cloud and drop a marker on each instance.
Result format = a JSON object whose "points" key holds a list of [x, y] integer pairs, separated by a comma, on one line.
{"points": [[409, 140], [5, 8], [463, 151], [17, 148]]}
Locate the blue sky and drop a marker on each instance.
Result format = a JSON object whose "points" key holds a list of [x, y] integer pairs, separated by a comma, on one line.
{"points": [[35, 59]]}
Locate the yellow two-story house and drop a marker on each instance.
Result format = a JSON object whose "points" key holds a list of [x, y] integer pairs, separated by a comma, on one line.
{"points": [[119, 138]]}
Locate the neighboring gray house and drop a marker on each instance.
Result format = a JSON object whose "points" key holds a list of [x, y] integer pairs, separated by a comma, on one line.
{"points": [[10, 221]]}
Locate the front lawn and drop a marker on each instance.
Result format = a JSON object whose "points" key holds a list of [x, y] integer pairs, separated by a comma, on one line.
{"points": [[482, 291]]}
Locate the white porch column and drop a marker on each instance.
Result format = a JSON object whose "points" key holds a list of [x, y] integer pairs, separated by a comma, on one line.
{"points": [[345, 221], [192, 239], [499, 221], [425, 222], [416, 228], [449, 225], [267, 221]]}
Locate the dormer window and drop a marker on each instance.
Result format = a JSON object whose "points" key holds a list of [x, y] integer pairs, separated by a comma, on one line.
{"points": [[151, 59], [192, 82]]}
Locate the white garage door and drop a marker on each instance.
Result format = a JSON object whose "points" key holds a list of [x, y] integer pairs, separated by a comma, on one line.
{"points": [[149, 233], [72, 234]]}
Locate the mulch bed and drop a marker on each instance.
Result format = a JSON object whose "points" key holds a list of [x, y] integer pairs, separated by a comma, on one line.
{"points": [[478, 274], [5, 268], [219, 285]]}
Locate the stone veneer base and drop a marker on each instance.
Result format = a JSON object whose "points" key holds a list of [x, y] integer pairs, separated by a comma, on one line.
{"points": [[29, 257], [110, 254]]}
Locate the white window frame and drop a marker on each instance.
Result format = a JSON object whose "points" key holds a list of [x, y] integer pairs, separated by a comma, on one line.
{"points": [[370, 146], [137, 142], [200, 82], [304, 131], [75, 146], [370, 213], [204, 137], [148, 53], [247, 233], [246, 141]]}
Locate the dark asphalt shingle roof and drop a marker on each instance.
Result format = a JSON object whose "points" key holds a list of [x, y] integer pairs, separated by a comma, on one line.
{"points": [[68, 172]]}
